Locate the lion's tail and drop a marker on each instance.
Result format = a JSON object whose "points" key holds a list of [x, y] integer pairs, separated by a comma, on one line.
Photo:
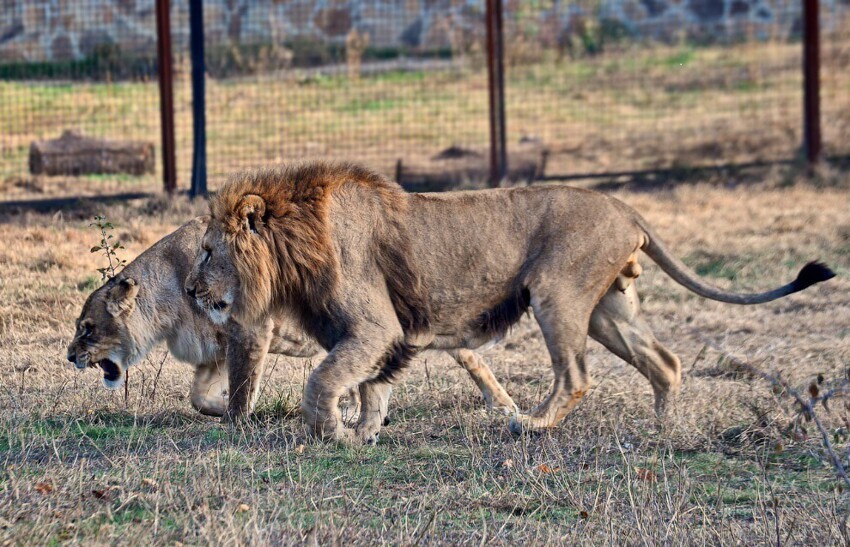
{"points": [[813, 272]]}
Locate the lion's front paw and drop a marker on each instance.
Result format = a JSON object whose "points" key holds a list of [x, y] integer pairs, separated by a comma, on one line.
{"points": [[350, 413], [497, 400], [337, 433], [234, 418]]}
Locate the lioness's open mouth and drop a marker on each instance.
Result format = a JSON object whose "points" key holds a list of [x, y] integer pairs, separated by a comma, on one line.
{"points": [[111, 371]]}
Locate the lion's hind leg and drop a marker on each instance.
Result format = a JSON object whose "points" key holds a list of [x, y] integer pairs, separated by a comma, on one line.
{"points": [[617, 324], [495, 396], [563, 321]]}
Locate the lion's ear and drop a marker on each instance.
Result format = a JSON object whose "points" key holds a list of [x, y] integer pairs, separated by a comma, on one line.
{"points": [[252, 209], [122, 297]]}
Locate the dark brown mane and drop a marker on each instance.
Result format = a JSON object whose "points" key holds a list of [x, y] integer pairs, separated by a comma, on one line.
{"points": [[297, 232]]}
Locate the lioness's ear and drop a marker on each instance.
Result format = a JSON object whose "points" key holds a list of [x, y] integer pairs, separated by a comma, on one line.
{"points": [[122, 297], [252, 209]]}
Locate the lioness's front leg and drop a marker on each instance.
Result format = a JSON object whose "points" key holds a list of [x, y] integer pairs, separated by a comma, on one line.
{"points": [[495, 396], [374, 403], [206, 398], [246, 359]]}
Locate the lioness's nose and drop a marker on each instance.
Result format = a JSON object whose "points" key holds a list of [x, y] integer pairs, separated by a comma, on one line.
{"points": [[190, 291], [72, 356]]}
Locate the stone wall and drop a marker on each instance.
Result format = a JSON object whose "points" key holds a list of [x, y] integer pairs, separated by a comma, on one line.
{"points": [[39, 30], [718, 19]]}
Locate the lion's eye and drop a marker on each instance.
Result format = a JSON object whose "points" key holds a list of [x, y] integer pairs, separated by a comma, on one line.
{"points": [[85, 330]]}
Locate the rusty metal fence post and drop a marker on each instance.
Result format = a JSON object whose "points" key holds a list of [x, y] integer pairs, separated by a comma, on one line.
{"points": [[166, 94], [199, 125], [496, 86], [811, 81]]}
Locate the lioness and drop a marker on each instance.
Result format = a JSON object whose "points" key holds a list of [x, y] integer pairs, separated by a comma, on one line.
{"points": [[146, 304], [375, 274]]}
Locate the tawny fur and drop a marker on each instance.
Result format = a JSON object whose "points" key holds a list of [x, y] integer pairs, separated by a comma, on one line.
{"points": [[127, 320], [296, 261], [314, 239], [123, 326]]}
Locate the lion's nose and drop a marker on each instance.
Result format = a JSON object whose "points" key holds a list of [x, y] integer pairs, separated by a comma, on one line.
{"points": [[190, 290], [72, 356]]}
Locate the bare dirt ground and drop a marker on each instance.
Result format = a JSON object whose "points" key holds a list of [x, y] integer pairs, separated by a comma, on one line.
{"points": [[80, 464]]}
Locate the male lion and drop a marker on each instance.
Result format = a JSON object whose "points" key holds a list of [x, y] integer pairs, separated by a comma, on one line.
{"points": [[146, 304], [375, 274]]}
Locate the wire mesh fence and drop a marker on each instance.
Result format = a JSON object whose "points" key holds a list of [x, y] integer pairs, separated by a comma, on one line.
{"points": [[605, 85], [372, 82], [631, 86], [87, 66], [835, 80]]}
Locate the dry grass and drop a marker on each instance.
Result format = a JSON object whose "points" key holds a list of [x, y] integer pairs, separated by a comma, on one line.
{"points": [[82, 465], [638, 107]]}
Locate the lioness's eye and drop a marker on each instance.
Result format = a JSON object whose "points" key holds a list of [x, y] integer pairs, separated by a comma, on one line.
{"points": [[209, 255]]}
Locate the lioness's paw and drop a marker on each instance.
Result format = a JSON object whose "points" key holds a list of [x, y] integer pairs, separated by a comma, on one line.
{"points": [[524, 424], [501, 406], [499, 402], [346, 436], [368, 434]]}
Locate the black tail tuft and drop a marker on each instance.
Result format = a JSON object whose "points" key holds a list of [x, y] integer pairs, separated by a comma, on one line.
{"points": [[813, 272]]}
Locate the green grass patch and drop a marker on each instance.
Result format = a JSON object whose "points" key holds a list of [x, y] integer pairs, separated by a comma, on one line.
{"points": [[216, 434], [371, 105], [716, 266], [680, 59], [399, 77], [90, 283], [109, 432], [133, 513], [106, 62], [70, 430]]}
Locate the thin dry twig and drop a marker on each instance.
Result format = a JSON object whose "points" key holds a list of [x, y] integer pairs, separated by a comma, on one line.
{"points": [[807, 406], [158, 372]]}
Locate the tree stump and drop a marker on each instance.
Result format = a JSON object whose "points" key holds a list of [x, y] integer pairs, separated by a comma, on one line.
{"points": [[76, 154], [456, 166]]}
